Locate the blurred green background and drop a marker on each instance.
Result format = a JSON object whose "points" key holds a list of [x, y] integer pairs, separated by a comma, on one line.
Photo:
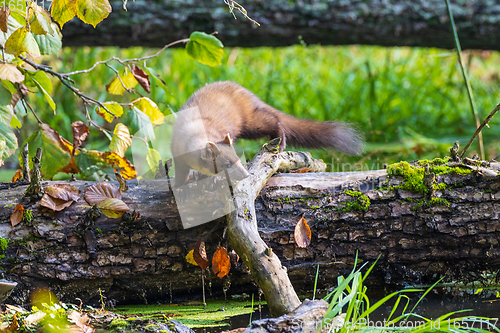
{"points": [[411, 103]]}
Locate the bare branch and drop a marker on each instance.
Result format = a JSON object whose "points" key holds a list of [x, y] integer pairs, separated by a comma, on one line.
{"points": [[234, 5]]}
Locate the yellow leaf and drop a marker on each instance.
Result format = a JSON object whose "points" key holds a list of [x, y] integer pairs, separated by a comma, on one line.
{"points": [[116, 87], [190, 258], [113, 107], [92, 11], [10, 73], [21, 41], [153, 158], [63, 11], [113, 207], [121, 140], [150, 109]]}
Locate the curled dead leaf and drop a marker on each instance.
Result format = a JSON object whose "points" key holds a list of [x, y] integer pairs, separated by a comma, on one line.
{"points": [[221, 262], [80, 132], [17, 175], [98, 192], [64, 192], [54, 203], [302, 233], [200, 255], [17, 216], [141, 77]]}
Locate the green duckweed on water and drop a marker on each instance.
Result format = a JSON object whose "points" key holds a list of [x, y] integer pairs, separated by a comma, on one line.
{"points": [[192, 315]]}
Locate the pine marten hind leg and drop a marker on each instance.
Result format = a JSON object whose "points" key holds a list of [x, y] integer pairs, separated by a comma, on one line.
{"points": [[282, 135]]}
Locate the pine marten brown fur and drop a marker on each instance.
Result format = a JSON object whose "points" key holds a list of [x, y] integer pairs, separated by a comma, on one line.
{"points": [[224, 111]]}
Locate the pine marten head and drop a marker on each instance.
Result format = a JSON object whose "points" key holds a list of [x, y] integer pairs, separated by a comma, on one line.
{"points": [[217, 157]]}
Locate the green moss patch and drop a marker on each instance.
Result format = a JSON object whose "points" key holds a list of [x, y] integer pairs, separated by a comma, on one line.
{"points": [[413, 176], [360, 204]]}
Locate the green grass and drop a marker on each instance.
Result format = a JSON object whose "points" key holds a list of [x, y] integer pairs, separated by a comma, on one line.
{"points": [[410, 102], [350, 309]]}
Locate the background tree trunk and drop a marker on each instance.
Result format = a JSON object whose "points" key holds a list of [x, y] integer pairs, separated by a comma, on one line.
{"points": [[341, 22], [144, 261]]}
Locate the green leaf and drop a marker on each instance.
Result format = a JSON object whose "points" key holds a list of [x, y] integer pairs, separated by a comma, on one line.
{"points": [[158, 81], [45, 83], [205, 48], [55, 152], [8, 142], [42, 79], [49, 43], [140, 124], [92, 165], [92, 11], [63, 11], [5, 96], [15, 123], [21, 41], [12, 25], [6, 113]]}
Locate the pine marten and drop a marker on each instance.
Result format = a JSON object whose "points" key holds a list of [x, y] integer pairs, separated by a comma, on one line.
{"points": [[221, 112]]}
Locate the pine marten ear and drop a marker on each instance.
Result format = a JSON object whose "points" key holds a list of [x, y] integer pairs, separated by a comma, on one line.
{"points": [[210, 151], [228, 140]]}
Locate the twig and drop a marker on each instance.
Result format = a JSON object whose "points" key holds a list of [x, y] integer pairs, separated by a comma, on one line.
{"points": [[64, 80], [478, 130], [466, 80], [234, 5], [128, 60], [26, 104]]}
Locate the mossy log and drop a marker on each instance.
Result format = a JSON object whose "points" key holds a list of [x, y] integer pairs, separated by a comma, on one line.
{"points": [[418, 240], [373, 22]]}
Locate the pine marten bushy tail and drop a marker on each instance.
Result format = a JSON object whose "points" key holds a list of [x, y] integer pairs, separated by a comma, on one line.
{"points": [[221, 112]]}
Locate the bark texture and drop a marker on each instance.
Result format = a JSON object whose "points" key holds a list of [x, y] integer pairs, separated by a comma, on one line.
{"points": [[342, 22], [144, 261]]}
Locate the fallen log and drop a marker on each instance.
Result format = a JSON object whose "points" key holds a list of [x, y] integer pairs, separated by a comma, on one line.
{"points": [[418, 240]]}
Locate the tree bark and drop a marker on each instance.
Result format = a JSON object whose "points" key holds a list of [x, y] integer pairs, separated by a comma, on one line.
{"points": [[143, 261], [374, 22]]}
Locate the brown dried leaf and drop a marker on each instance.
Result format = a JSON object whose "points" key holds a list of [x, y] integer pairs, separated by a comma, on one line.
{"points": [[301, 170], [54, 203], [17, 176], [80, 132], [98, 192], [4, 15], [17, 216], [81, 320], [220, 262], [113, 207], [302, 233], [64, 192], [200, 255], [141, 77], [122, 182]]}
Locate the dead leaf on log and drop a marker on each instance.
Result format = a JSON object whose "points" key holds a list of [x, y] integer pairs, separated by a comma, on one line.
{"points": [[59, 196], [190, 258], [81, 321], [113, 207], [17, 216], [18, 173], [98, 192], [54, 203], [80, 132], [64, 192], [122, 182], [302, 233], [200, 255], [301, 170], [220, 262], [141, 77]]}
